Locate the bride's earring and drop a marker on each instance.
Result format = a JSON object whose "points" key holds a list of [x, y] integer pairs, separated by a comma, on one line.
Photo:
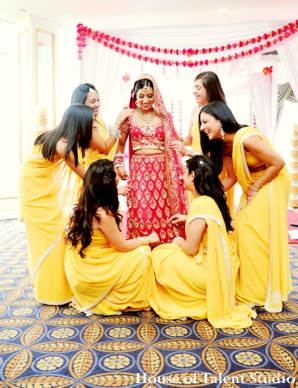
{"points": [[222, 133]]}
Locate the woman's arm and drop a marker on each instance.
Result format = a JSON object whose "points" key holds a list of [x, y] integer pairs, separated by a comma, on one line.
{"points": [[193, 117], [109, 228], [269, 156], [179, 147], [187, 140], [119, 156], [70, 161], [230, 179], [99, 144], [195, 231]]}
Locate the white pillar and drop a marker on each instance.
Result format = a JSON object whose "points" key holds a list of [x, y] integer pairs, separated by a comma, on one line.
{"points": [[37, 59]]}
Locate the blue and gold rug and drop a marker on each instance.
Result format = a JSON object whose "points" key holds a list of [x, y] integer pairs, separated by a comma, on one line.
{"points": [[47, 346]]}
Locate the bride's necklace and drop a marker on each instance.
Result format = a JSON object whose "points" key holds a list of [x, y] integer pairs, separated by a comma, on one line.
{"points": [[146, 118]]}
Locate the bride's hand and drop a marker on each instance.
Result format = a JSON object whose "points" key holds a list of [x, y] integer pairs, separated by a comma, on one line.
{"points": [[124, 190]]}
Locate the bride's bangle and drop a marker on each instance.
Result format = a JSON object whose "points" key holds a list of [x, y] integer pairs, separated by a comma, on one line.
{"points": [[253, 188], [119, 159]]}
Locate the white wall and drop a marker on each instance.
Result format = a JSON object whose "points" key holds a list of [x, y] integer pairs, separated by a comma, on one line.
{"points": [[9, 136]]}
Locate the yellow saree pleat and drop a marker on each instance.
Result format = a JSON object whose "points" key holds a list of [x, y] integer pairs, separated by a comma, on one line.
{"points": [[46, 195], [261, 233], [91, 155]]}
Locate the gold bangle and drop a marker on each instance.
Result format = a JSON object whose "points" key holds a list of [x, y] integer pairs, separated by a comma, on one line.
{"points": [[253, 188], [144, 240]]}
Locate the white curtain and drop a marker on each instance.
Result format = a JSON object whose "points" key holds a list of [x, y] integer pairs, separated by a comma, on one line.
{"points": [[288, 53], [264, 101], [101, 67]]}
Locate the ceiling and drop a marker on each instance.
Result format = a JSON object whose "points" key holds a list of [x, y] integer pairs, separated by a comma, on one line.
{"points": [[114, 14]]}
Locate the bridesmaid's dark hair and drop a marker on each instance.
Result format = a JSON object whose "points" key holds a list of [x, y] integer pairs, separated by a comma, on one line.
{"points": [[213, 148], [206, 182], [80, 93], [99, 190], [76, 127], [212, 85]]}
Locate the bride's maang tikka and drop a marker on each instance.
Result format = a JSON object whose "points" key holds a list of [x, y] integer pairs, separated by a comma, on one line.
{"points": [[146, 85]]}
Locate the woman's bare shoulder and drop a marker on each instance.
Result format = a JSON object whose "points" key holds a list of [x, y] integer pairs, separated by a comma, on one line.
{"points": [[101, 212], [61, 146]]}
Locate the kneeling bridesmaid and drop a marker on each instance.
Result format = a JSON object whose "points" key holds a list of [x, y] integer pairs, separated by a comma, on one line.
{"points": [[196, 277]]}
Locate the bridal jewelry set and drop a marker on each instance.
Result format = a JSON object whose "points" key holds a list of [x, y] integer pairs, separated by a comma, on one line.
{"points": [[146, 118]]}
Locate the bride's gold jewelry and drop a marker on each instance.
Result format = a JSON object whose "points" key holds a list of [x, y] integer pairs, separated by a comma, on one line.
{"points": [[143, 117]]}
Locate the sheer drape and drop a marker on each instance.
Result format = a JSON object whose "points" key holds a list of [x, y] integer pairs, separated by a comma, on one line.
{"points": [[101, 67], [285, 92], [288, 53], [264, 101]]}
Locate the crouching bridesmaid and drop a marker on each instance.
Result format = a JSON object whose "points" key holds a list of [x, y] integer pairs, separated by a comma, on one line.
{"points": [[196, 277], [107, 273]]}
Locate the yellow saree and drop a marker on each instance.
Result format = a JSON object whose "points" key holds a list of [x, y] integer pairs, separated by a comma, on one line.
{"points": [[107, 281], [201, 286], [46, 195], [91, 155], [261, 233]]}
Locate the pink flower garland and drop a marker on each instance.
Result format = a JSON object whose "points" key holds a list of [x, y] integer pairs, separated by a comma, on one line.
{"points": [[279, 35]]}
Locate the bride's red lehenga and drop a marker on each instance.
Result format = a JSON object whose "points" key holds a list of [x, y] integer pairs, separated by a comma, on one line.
{"points": [[156, 179]]}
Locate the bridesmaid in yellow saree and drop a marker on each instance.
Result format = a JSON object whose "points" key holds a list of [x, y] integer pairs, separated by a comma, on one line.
{"points": [[107, 273], [104, 138], [196, 277], [207, 88], [46, 191], [261, 233]]}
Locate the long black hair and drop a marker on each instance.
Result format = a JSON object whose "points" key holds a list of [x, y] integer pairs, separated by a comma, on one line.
{"points": [[206, 182], [80, 93], [213, 148], [99, 190], [76, 127], [212, 85]]}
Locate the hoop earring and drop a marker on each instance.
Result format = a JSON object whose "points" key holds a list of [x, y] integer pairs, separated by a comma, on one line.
{"points": [[222, 133]]}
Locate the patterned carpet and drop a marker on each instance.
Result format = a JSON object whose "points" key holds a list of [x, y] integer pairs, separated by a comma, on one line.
{"points": [[46, 346]]}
